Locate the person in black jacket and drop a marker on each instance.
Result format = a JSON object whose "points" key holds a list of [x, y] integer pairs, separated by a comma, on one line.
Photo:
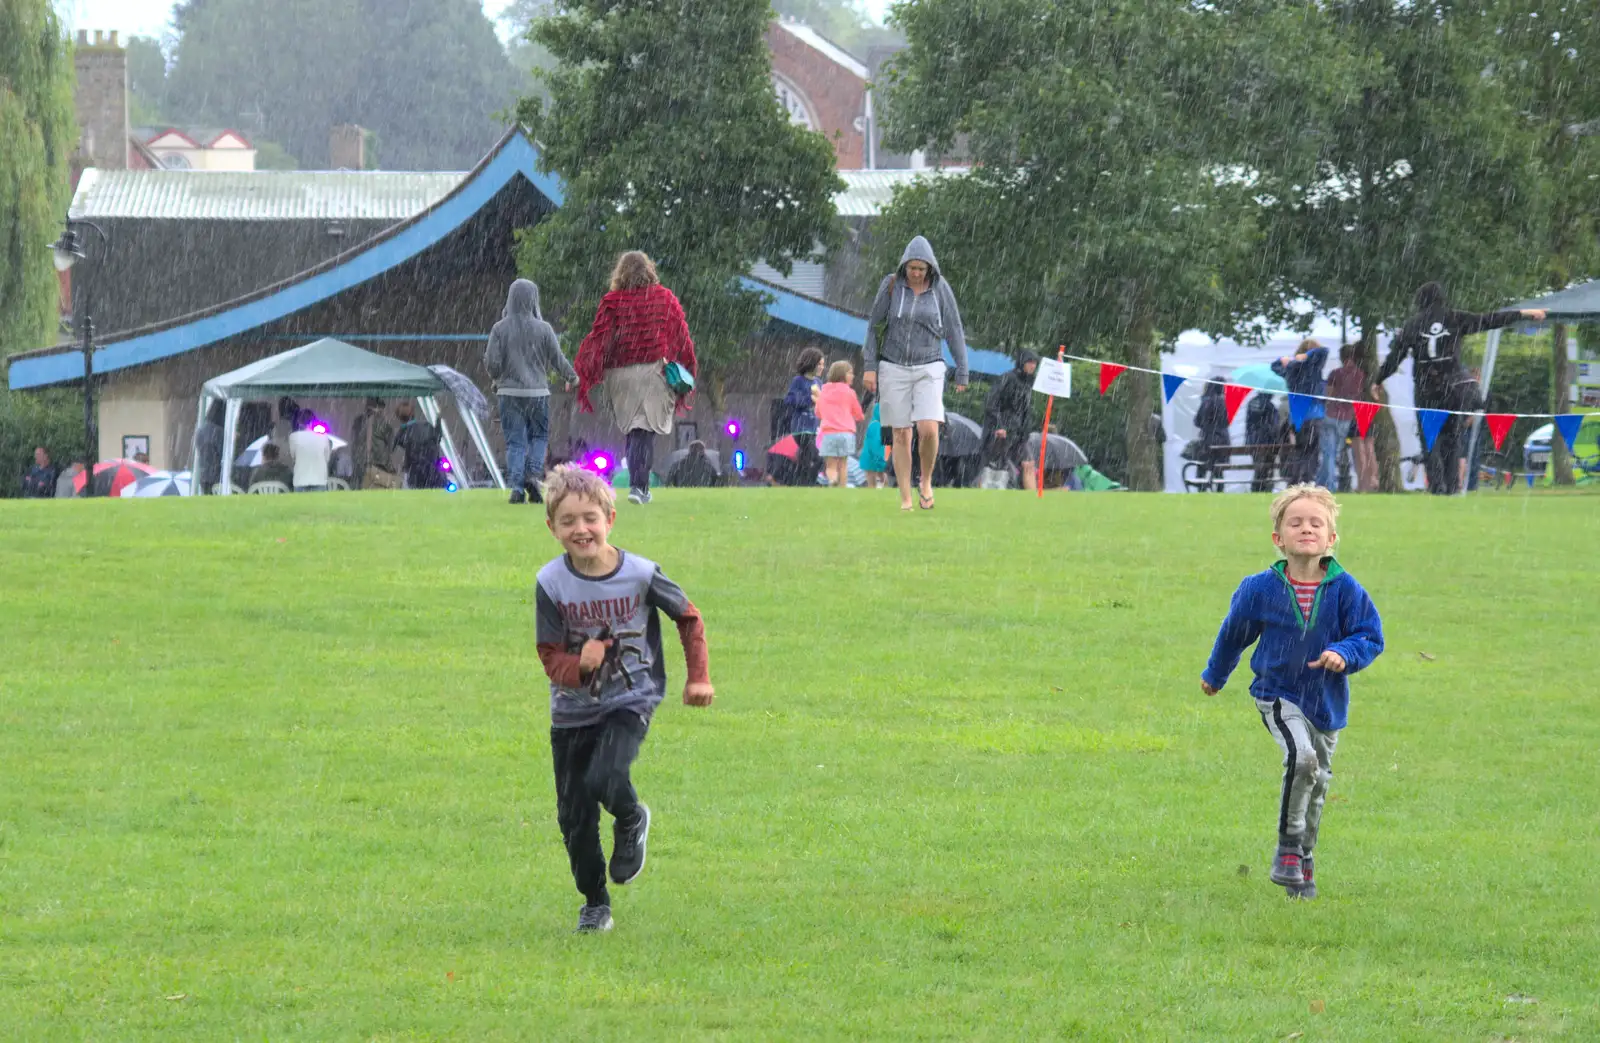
{"points": [[1432, 337], [1008, 418], [40, 481], [1212, 420], [1265, 430]]}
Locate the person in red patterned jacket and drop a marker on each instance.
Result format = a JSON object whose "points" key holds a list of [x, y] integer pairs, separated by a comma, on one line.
{"points": [[638, 328]]}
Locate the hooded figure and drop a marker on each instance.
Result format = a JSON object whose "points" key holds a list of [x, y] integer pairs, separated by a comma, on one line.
{"points": [[1211, 418], [1432, 336], [1008, 415], [918, 314], [522, 351]]}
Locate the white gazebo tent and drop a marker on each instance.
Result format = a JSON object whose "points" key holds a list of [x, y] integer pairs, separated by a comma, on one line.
{"points": [[330, 368]]}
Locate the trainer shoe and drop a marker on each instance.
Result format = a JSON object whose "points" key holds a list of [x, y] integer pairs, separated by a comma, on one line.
{"points": [[1286, 869], [534, 495], [1309, 888], [593, 918], [518, 496], [627, 847], [637, 498]]}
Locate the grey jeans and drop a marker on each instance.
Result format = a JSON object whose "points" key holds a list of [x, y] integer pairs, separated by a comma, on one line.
{"points": [[1307, 770]]}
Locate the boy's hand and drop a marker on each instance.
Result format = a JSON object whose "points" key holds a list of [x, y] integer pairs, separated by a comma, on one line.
{"points": [[1208, 689], [1329, 660], [698, 693], [592, 655]]}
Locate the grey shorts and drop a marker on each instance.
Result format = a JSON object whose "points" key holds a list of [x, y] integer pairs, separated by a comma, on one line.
{"points": [[907, 394], [839, 443]]}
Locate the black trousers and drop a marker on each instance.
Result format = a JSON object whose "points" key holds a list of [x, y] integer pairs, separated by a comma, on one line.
{"points": [[1443, 461], [1266, 461], [592, 766], [641, 457]]}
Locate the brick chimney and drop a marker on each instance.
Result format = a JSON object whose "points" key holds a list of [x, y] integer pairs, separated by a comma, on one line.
{"points": [[102, 102], [347, 147]]}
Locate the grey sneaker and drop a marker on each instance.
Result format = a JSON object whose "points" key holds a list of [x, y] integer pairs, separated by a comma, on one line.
{"points": [[627, 848], [594, 918], [1286, 870], [637, 498], [518, 496], [1308, 889]]}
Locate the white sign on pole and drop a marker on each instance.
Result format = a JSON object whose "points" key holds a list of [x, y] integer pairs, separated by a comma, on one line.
{"points": [[1053, 378]]}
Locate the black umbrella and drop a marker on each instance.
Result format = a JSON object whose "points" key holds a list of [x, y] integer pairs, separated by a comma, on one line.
{"points": [[1063, 453], [467, 394], [680, 454], [962, 437]]}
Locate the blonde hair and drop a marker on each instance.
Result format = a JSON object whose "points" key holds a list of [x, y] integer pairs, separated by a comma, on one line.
{"points": [[1308, 344], [840, 372], [569, 480], [634, 271], [1306, 491]]}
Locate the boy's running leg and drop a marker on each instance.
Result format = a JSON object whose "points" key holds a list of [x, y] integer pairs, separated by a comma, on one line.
{"points": [[609, 781], [1323, 743], [1300, 771], [579, 813]]}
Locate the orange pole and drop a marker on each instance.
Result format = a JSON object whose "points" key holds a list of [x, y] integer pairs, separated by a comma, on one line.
{"points": [[1044, 435]]}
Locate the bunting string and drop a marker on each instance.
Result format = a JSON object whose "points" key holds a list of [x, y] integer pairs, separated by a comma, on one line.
{"points": [[1239, 392]]}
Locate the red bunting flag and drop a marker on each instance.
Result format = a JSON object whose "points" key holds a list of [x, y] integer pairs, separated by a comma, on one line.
{"points": [[1109, 372], [1365, 411], [1234, 395], [1499, 427]]}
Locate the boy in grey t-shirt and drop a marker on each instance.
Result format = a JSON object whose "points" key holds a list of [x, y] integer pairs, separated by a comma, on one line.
{"points": [[599, 638]]}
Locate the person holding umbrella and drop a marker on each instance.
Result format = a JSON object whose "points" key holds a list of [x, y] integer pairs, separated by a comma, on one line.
{"points": [[917, 311], [638, 329], [1432, 336], [1008, 418]]}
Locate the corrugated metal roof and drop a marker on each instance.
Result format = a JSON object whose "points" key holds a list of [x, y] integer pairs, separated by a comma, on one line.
{"points": [[805, 277], [867, 192], [259, 195]]}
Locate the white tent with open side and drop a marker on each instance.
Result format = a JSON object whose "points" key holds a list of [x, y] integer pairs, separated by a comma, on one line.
{"points": [[330, 368]]}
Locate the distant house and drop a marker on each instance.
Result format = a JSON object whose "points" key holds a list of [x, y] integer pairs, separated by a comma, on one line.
{"points": [[188, 148]]}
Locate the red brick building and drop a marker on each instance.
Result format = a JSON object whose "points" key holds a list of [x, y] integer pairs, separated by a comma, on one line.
{"points": [[824, 87]]}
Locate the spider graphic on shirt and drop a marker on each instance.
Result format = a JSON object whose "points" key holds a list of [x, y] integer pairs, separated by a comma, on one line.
{"points": [[615, 662]]}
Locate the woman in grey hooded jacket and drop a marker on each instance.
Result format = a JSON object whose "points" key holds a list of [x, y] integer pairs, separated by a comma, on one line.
{"points": [[918, 313], [522, 351]]}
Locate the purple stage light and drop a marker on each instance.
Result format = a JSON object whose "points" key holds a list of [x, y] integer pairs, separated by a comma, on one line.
{"points": [[733, 427], [444, 463]]}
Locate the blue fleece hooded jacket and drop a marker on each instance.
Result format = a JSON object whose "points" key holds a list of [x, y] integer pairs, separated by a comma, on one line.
{"points": [[1264, 610]]}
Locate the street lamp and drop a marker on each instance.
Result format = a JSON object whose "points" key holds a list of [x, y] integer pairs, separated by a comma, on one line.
{"points": [[68, 251]]}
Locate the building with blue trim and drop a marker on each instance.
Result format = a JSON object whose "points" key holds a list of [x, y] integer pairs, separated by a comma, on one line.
{"points": [[211, 271]]}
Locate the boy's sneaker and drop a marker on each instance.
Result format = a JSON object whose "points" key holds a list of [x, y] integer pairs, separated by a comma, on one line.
{"points": [[1286, 869], [637, 498], [1308, 889], [594, 918], [518, 496], [627, 848], [534, 495]]}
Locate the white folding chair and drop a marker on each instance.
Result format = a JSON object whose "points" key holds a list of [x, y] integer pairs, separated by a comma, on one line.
{"points": [[268, 488], [338, 485]]}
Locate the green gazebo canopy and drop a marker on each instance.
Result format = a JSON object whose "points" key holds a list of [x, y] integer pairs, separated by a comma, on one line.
{"points": [[326, 368]]}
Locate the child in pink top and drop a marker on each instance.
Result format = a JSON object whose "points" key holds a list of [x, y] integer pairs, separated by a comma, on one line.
{"points": [[838, 413]]}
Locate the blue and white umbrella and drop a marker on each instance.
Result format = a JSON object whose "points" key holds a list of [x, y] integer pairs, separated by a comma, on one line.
{"points": [[160, 483], [251, 457]]}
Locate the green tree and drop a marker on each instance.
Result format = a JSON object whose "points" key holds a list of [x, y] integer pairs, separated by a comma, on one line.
{"points": [[845, 22], [37, 135], [1106, 208], [147, 81], [663, 124], [1423, 174], [428, 76], [1548, 50]]}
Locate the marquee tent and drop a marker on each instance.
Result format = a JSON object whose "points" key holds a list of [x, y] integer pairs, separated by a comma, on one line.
{"points": [[330, 368]]}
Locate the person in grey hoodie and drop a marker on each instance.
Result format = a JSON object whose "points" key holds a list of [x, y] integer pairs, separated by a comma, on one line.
{"points": [[918, 313], [522, 351]]}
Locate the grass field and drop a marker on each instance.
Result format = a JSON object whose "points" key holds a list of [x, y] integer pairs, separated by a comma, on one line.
{"points": [[278, 768]]}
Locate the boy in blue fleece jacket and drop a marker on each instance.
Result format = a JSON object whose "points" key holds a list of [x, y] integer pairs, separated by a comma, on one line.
{"points": [[1314, 626]]}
